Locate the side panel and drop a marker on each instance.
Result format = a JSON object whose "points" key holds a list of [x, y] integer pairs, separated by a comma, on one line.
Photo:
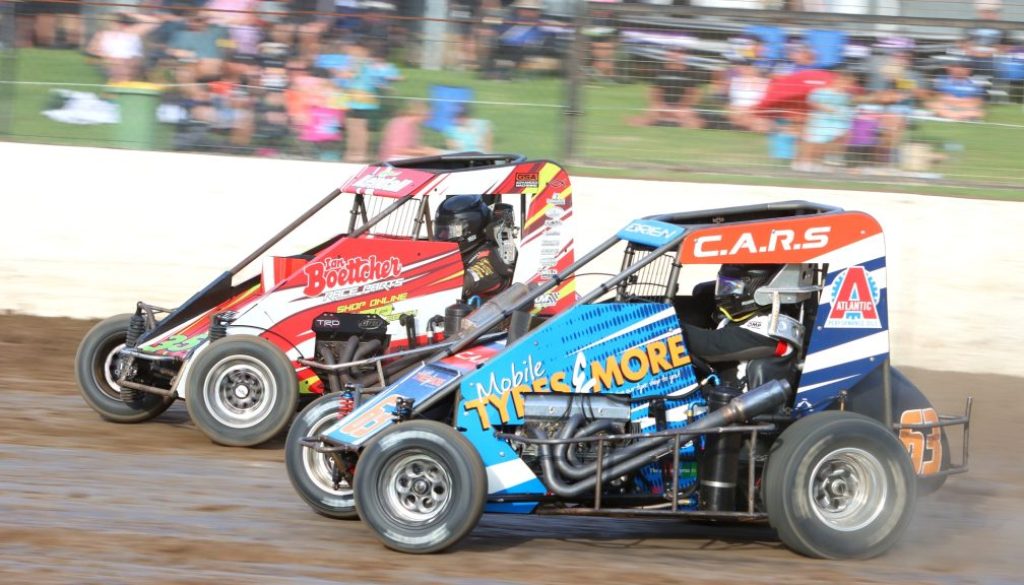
{"points": [[546, 243], [420, 384], [617, 348]]}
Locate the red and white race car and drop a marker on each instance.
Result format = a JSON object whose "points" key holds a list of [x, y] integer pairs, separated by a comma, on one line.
{"points": [[358, 308]]}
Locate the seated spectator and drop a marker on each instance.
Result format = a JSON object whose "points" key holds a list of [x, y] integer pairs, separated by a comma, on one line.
{"points": [[958, 97], [320, 129], [897, 89], [799, 57], [199, 45], [119, 47], [401, 136], [675, 92], [828, 123], [745, 87], [232, 101], [468, 134]]}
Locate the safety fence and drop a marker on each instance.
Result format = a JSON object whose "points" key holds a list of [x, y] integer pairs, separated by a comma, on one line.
{"points": [[920, 91]]}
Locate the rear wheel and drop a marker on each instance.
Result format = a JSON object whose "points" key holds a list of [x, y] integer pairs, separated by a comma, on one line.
{"points": [[839, 485], [97, 368], [312, 474], [241, 391], [421, 487]]}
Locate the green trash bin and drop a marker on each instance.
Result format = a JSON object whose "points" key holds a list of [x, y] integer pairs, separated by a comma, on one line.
{"points": [[138, 102]]}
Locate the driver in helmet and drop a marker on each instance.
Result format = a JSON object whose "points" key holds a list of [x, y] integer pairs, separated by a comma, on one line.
{"points": [[744, 330], [485, 238]]}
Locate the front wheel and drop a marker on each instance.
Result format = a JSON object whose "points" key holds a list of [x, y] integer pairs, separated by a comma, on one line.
{"points": [[97, 368], [312, 474], [839, 485], [241, 391], [420, 486]]}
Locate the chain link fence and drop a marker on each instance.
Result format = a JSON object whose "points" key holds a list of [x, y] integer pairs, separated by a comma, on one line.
{"points": [[921, 91]]}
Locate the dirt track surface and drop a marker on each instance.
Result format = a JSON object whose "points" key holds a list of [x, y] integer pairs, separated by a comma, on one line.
{"points": [[85, 501]]}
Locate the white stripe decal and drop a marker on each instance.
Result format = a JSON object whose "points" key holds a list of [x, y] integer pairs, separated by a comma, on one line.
{"points": [[652, 319], [872, 345], [820, 384], [856, 253], [505, 475]]}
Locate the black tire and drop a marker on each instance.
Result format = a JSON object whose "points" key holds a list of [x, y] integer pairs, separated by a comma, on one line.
{"points": [[839, 485], [94, 371], [241, 391], [311, 472], [434, 461]]}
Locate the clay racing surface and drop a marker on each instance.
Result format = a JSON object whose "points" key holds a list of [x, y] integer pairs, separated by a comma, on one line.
{"points": [[85, 501]]}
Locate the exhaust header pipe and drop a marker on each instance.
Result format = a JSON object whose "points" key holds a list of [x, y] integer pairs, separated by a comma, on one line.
{"points": [[761, 400]]}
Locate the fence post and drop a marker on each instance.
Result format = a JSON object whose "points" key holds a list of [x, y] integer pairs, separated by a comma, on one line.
{"points": [[8, 53], [575, 80]]}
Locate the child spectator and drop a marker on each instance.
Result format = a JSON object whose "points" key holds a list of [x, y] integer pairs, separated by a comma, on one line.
{"points": [[828, 122], [468, 134], [958, 96], [362, 85], [746, 87], [120, 49], [401, 136], [320, 127]]}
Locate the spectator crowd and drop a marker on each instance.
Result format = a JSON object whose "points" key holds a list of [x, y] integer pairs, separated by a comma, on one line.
{"points": [[316, 78]]}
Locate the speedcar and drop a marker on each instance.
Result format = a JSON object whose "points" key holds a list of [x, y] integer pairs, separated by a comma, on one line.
{"points": [[603, 410], [241, 353]]}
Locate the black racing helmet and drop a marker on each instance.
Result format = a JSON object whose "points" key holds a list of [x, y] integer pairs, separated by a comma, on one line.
{"points": [[734, 289], [462, 218]]}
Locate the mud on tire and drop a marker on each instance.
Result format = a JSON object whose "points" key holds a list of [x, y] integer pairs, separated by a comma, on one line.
{"points": [[95, 372], [839, 485], [311, 473], [420, 486], [241, 391]]}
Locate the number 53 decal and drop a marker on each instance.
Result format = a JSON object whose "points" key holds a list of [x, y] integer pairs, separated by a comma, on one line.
{"points": [[924, 445]]}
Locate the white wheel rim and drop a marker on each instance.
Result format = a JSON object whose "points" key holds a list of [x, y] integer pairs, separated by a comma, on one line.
{"points": [[239, 391], [108, 372], [416, 488], [847, 489], [320, 467]]}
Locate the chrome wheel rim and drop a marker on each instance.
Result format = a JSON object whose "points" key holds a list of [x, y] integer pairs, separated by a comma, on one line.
{"points": [[416, 488], [319, 467], [239, 391], [111, 372], [847, 489]]}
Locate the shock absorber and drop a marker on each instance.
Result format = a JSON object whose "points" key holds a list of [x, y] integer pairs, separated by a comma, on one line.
{"points": [[136, 327], [720, 459]]}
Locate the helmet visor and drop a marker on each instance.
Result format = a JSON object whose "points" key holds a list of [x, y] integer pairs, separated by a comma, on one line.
{"points": [[727, 286], [450, 231]]}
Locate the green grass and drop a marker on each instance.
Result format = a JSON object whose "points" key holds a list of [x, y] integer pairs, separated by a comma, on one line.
{"points": [[528, 116], [47, 69]]}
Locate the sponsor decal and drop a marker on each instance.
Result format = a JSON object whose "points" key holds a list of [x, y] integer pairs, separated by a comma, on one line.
{"points": [[556, 198], [557, 183], [654, 363], [176, 343], [383, 179], [649, 232], [855, 298], [549, 299], [777, 240], [527, 180], [554, 212], [332, 275]]}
